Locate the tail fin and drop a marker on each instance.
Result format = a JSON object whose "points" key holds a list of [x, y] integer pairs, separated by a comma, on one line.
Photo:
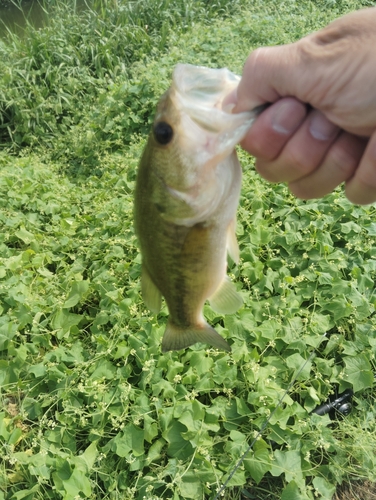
{"points": [[176, 338]]}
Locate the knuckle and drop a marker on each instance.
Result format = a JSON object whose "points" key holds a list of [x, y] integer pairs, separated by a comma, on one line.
{"points": [[258, 64], [257, 56]]}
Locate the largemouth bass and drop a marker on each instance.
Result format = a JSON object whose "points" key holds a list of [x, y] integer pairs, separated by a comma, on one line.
{"points": [[187, 192]]}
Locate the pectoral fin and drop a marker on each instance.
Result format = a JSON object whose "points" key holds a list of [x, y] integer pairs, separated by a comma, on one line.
{"points": [[232, 243], [226, 300], [150, 293], [176, 338]]}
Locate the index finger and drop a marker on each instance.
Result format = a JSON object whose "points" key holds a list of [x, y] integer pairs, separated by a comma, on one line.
{"points": [[266, 77]]}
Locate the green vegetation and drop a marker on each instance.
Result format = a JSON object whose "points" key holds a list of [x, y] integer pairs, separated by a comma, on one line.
{"points": [[89, 407]]}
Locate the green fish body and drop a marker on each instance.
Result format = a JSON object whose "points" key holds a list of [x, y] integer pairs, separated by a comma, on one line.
{"points": [[187, 192]]}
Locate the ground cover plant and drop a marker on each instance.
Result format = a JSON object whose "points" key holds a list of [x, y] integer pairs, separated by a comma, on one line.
{"points": [[89, 406]]}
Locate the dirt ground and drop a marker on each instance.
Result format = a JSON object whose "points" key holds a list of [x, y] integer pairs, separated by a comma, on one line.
{"points": [[361, 491], [355, 491]]}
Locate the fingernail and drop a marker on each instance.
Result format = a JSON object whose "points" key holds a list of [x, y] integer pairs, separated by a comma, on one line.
{"points": [[321, 128], [286, 119]]}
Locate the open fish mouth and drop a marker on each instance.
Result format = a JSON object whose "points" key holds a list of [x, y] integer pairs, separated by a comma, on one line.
{"points": [[202, 86], [199, 93]]}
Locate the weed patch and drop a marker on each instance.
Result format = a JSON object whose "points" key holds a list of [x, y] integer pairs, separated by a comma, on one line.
{"points": [[89, 407]]}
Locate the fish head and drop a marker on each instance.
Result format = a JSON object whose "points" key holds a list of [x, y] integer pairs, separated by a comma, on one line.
{"points": [[191, 137]]}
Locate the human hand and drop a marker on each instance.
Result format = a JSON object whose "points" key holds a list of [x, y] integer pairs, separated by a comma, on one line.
{"points": [[321, 129]]}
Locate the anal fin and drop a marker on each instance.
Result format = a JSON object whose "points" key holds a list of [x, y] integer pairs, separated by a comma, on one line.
{"points": [[150, 293], [176, 338], [226, 299]]}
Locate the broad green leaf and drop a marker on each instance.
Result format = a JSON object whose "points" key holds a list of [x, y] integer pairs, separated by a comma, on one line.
{"points": [[178, 447], [241, 407], [63, 472], [299, 364], [254, 271], [24, 235], [325, 279], [89, 456], [77, 482], [224, 372], [237, 437], [26, 494], [137, 436], [77, 292], [164, 387], [122, 445], [42, 471], [240, 325], [63, 321], [260, 235], [13, 263], [7, 332], [190, 486], [340, 308], [155, 450], [131, 440], [240, 351], [104, 369], [371, 229], [258, 464], [293, 492], [174, 369], [288, 463], [349, 227], [324, 488], [319, 323], [268, 330], [358, 372], [237, 479], [38, 370], [150, 428], [201, 362], [15, 436]]}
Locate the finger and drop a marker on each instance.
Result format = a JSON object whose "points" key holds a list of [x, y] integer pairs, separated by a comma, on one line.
{"points": [[266, 77], [338, 166], [361, 188], [273, 128], [304, 152]]}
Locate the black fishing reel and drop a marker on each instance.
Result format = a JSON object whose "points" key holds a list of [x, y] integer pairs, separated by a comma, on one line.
{"points": [[338, 405]]}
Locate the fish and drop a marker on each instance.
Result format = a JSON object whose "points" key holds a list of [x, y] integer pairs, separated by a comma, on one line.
{"points": [[186, 197]]}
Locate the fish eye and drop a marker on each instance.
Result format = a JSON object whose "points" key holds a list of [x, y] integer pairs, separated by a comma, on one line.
{"points": [[163, 133]]}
